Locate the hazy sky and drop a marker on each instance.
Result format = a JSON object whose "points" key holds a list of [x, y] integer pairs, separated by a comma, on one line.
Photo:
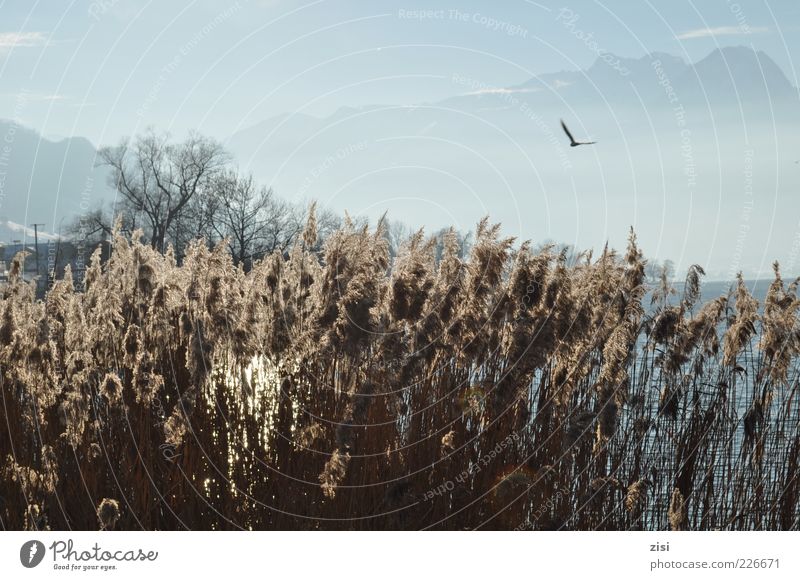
{"points": [[107, 68]]}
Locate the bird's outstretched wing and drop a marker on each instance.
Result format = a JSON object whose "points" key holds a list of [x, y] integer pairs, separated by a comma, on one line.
{"points": [[564, 126]]}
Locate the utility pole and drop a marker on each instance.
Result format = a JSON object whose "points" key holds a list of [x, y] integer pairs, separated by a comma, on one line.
{"points": [[17, 243], [36, 243]]}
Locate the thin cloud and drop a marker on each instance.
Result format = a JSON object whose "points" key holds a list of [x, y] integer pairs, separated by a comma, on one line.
{"points": [[722, 31], [22, 39], [484, 109], [34, 97], [427, 128], [500, 91]]}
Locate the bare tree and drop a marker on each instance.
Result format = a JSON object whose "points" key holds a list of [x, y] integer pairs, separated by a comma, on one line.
{"points": [[255, 221], [464, 242], [94, 226], [397, 233], [197, 220], [158, 179]]}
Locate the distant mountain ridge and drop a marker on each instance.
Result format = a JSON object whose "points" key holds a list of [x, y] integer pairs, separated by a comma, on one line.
{"points": [[44, 181], [674, 138], [726, 77]]}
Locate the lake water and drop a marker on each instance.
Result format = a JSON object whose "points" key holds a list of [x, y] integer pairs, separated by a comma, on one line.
{"points": [[712, 290]]}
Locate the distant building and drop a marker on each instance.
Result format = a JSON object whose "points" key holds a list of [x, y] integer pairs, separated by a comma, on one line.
{"points": [[53, 258]]}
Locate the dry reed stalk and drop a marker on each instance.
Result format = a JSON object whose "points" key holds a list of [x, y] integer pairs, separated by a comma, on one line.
{"points": [[333, 388]]}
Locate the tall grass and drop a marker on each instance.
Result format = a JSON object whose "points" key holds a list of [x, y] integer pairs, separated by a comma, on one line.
{"points": [[344, 390]]}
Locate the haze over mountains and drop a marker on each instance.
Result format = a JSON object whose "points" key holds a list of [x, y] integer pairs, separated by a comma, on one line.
{"points": [[43, 181], [708, 147]]}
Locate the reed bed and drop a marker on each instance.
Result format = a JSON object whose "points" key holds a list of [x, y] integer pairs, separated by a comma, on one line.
{"points": [[339, 388]]}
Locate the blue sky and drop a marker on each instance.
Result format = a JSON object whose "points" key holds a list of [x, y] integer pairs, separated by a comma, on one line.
{"points": [[107, 68]]}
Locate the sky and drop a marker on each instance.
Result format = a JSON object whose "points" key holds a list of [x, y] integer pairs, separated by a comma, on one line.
{"points": [[107, 69], [104, 69]]}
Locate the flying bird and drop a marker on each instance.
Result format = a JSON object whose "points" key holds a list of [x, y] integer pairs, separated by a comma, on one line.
{"points": [[572, 141]]}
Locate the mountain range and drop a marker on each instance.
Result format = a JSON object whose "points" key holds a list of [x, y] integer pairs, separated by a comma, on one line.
{"points": [[45, 182], [698, 157]]}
